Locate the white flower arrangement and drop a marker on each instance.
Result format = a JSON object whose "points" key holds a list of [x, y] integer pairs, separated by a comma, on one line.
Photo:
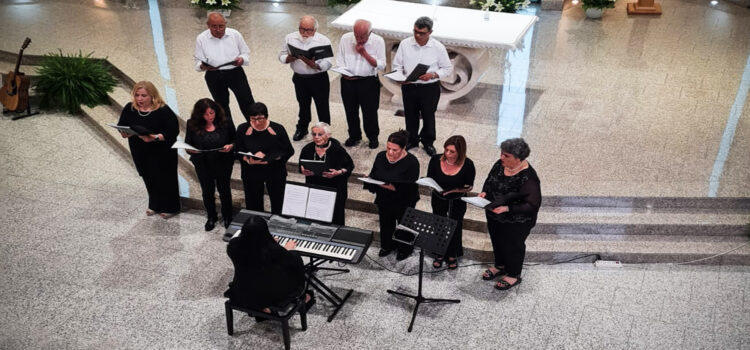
{"points": [[216, 4], [510, 6]]}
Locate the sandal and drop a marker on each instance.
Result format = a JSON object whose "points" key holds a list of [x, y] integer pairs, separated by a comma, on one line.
{"points": [[452, 263], [438, 263], [505, 285], [488, 275]]}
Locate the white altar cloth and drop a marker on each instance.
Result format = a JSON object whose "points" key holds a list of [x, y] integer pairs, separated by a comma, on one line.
{"points": [[453, 26]]}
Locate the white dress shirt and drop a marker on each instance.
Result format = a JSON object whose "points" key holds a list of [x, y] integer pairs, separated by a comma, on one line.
{"points": [[298, 66], [350, 59], [433, 54], [216, 51]]}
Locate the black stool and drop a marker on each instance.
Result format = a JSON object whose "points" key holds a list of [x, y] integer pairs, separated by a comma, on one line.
{"points": [[281, 314]]}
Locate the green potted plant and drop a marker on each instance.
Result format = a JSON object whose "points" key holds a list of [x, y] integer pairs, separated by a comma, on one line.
{"points": [[223, 6], [68, 81], [595, 8], [510, 6]]}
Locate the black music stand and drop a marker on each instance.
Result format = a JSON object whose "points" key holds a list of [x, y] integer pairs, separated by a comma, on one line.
{"points": [[430, 232]]}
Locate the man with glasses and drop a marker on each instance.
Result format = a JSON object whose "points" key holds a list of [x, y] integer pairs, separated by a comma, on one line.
{"points": [[310, 76], [421, 97], [220, 52], [362, 54]]}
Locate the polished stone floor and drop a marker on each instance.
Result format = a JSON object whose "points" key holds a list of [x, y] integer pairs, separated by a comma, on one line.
{"points": [[633, 106], [82, 267], [622, 106]]}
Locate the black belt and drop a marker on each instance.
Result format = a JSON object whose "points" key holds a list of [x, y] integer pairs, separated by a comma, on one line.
{"points": [[310, 76], [357, 77]]}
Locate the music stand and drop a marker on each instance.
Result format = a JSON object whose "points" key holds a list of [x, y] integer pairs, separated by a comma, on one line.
{"points": [[433, 233]]}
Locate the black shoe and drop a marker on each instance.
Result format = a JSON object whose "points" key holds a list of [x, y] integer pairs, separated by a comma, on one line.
{"points": [[411, 145], [227, 222], [373, 144], [299, 135], [210, 224], [351, 142], [384, 252], [402, 255], [430, 150], [227, 237]]}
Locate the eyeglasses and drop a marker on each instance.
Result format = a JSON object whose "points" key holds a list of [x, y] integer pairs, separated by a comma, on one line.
{"points": [[257, 119], [318, 134], [306, 30], [419, 32]]}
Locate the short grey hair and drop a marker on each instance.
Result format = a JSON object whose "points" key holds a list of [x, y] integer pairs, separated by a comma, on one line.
{"points": [[516, 147], [214, 14], [424, 22], [315, 20], [323, 125]]}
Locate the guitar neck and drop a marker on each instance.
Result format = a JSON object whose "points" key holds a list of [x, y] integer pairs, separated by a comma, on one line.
{"points": [[18, 62]]}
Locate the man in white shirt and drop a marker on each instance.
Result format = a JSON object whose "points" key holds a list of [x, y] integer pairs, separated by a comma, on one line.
{"points": [[215, 47], [310, 76], [362, 54], [421, 97]]}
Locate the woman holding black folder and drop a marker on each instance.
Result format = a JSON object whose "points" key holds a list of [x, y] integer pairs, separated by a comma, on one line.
{"points": [[209, 130], [266, 149], [515, 184], [332, 163], [399, 170], [154, 158], [455, 174]]}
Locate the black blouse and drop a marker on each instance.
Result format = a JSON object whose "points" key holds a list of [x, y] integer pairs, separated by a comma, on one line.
{"points": [[277, 148], [335, 157], [464, 178], [221, 136], [401, 174], [526, 183]]}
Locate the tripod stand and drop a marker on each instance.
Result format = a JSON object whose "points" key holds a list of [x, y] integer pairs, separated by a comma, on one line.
{"points": [[431, 232]]}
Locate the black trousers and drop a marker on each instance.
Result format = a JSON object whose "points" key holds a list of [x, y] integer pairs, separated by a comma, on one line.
{"points": [[161, 182], [509, 244], [361, 93], [338, 209], [389, 216], [420, 99], [308, 88], [454, 209], [220, 81], [253, 185], [212, 177]]}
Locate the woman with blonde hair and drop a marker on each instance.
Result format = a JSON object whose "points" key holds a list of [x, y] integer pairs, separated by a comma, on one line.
{"points": [[155, 160]]}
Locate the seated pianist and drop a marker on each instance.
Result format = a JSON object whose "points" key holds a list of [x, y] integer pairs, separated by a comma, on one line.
{"points": [[265, 273]]}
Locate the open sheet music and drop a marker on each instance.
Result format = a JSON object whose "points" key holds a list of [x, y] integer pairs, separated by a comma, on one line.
{"points": [[251, 155], [413, 76], [182, 144], [135, 130], [429, 182], [371, 181], [308, 202]]}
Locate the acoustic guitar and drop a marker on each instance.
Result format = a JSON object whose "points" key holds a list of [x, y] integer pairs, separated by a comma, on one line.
{"points": [[14, 94]]}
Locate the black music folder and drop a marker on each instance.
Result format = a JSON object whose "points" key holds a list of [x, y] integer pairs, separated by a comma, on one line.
{"points": [[314, 53], [413, 76], [316, 166]]}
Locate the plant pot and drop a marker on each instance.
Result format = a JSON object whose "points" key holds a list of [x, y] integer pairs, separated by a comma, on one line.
{"points": [[225, 13], [594, 13]]}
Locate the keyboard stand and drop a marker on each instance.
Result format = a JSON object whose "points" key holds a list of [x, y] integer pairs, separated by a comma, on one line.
{"points": [[310, 269]]}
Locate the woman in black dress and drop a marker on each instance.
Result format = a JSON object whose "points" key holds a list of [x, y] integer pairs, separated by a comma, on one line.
{"points": [[455, 174], [514, 184], [153, 155], [265, 273], [208, 129], [399, 170], [269, 143], [337, 161]]}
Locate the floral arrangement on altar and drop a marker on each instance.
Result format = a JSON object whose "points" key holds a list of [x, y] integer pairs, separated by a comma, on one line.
{"points": [[598, 4], [216, 4], [510, 6]]}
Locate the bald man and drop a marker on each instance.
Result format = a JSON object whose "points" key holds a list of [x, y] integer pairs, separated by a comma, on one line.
{"points": [[216, 46], [310, 77], [363, 54]]}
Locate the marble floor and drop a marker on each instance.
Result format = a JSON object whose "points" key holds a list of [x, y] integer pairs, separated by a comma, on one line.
{"points": [[622, 106], [82, 267]]}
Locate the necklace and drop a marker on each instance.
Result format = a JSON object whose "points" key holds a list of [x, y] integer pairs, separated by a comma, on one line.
{"points": [[516, 169], [141, 114]]}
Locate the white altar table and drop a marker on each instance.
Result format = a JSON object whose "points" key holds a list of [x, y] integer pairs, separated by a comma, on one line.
{"points": [[466, 33]]}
